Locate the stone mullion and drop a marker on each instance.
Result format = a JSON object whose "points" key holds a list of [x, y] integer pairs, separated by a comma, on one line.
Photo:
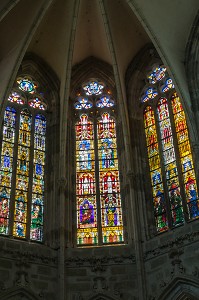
{"points": [[30, 184], [62, 181], [97, 183], [130, 165]]}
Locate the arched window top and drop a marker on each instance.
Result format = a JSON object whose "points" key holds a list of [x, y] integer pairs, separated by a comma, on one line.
{"points": [[26, 84], [160, 82], [83, 103], [98, 199], [168, 85], [16, 97], [22, 162], [96, 94], [105, 101], [93, 87], [149, 94], [171, 167], [157, 74], [37, 102], [25, 92]]}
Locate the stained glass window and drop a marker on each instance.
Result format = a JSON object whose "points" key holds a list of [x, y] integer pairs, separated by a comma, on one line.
{"points": [[82, 102], [172, 174], [155, 170], [26, 84], [37, 103], [36, 229], [93, 88], [105, 101], [98, 199], [150, 93], [168, 85], [7, 152], [16, 98], [22, 176], [22, 165], [157, 74]]}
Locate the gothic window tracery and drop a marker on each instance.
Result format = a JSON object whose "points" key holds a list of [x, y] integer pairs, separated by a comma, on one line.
{"points": [[98, 199], [22, 162], [173, 179]]}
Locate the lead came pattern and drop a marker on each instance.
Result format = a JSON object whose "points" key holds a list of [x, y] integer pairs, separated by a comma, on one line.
{"points": [[22, 164], [189, 177], [110, 200], [97, 151], [36, 228], [87, 231], [6, 168], [155, 170], [171, 171], [169, 157], [22, 176]]}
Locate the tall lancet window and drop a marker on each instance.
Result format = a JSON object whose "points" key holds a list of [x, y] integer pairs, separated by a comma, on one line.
{"points": [[98, 200], [22, 162], [173, 179]]}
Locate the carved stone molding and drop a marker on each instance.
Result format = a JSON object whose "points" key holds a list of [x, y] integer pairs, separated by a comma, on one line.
{"points": [[100, 263], [177, 266], [97, 265], [195, 272], [180, 241], [27, 257], [99, 283], [102, 295]]}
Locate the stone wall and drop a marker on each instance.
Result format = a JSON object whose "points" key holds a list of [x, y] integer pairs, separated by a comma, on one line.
{"points": [[27, 269], [108, 271]]}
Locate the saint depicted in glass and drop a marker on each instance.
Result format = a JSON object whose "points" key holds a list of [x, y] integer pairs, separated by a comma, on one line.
{"points": [[99, 211], [22, 201], [178, 182]]}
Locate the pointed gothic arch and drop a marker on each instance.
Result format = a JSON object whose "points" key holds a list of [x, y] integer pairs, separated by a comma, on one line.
{"points": [[181, 288], [147, 95], [96, 110], [34, 94], [18, 293]]}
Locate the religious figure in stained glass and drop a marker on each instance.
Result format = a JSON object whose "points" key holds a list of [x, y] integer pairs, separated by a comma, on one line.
{"points": [[27, 85], [7, 159], [192, 197], [85, 155], [107, 153], [160, 209], [4, 211], [37, 218], [21, 164], [170, 160], [88, 144], [111, 210], [19, 230], [86, 184], [86, 213]]}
